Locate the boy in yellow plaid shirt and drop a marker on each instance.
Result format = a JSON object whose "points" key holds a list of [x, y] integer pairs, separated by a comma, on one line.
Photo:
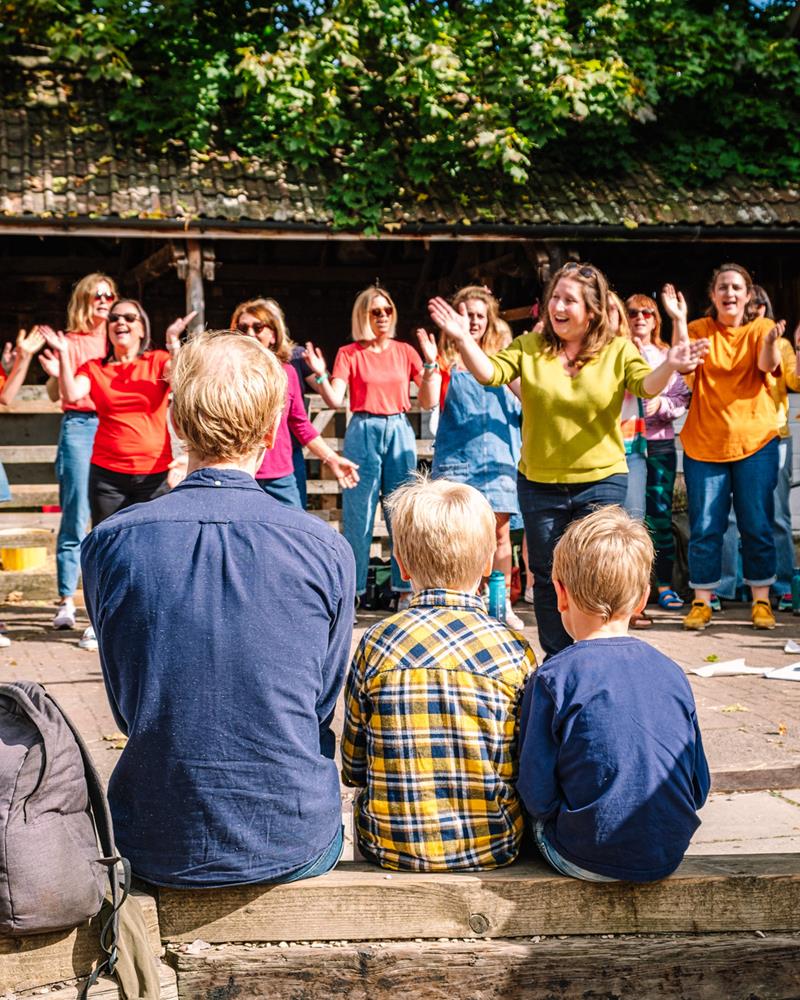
{"points": [[433, 698]]}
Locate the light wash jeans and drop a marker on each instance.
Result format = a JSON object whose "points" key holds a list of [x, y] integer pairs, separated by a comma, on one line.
{"points": [[385, 450], [784, 541], [73, 458], [328, 860], [637, 485], [555, 860], [284, 489]]}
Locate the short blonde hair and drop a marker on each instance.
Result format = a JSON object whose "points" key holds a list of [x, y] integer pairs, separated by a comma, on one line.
{"points": [[228, 393], [268, 311], [443, 532], [359, 325], [604, 561], [80, 310]]}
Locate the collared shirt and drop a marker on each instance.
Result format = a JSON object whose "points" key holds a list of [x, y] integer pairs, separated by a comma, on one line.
{"points": [[224, 621], [431, 729]]}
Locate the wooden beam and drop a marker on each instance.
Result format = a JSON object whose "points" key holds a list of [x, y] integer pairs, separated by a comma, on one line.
{"points": [[151, 267], [194, 284], [360, 902], [519, 312], [702, 967], [41, 959]]}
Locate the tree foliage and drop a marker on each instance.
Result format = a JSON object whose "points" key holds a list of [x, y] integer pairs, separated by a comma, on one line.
{"points": [[384, 95]]}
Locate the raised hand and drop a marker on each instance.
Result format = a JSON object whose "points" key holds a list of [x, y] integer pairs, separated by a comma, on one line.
{"points": [[688, 354], [176, 328], [315, 359], [454, 324], [427, 344], [776, 332], [29, 344], [674, 303], [55, 339], [345, 471], [49, 361]]}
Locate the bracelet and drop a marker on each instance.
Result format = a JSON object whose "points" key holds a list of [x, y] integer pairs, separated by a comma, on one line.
{"points": [[431, 366], [322, 378]]}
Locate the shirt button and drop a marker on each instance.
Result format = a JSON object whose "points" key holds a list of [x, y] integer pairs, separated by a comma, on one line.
{"points": [[217, 482]]}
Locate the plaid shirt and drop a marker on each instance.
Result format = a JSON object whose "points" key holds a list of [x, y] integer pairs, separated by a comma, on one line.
{"points": [[431, 730]]}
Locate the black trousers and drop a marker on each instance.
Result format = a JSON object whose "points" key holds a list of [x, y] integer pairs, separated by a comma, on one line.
{"points": [[112, 491]]}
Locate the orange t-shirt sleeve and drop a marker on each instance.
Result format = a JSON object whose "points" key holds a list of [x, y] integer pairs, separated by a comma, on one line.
{"points": [[341, 366]]}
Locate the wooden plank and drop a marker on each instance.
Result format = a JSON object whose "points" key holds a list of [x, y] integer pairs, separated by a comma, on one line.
{"points": [[703, 967], [17, 454], [195, 299], [360, 902], [33, 495], [757, 779], [41, 959], [107, 989], [24, 407]]}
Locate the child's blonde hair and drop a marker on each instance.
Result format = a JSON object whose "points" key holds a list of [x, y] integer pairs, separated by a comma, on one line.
{"points": [[604, 561], [443, 532]]}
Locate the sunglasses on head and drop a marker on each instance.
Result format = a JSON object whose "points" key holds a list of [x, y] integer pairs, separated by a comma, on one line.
{"points": [[646, 313], [584, 270], [128, 317], [256, 327], [103, 297], [379, 311]]}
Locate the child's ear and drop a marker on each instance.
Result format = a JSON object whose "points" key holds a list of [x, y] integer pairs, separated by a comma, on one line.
{"points": [[642, 604], [487, 569], [403, 574], [562, 596]]}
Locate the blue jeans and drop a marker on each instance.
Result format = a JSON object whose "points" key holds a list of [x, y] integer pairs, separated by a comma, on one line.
{"points": [[784, 542], [750, 482], [637, 486], [299, 463], [385, 450], [73, 458], [547, 509], [553, 858], [324, 863], [284, 489], [5, 489]]}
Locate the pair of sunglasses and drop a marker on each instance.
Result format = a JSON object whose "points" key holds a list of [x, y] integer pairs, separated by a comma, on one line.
{"points": [[647, 313], [128, 317], [379, 311], [256, 327]]}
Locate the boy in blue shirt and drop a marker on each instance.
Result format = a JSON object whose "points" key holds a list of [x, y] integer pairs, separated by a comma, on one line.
{"points": [[612, 769]]}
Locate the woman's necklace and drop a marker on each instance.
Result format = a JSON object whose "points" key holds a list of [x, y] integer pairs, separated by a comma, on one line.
{"points": [[573, 364]]}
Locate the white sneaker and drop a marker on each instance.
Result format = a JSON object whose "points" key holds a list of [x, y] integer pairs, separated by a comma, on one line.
{"points": [[529, 595], [4, 641], [88, 640], [513, 620], [65, 616]]}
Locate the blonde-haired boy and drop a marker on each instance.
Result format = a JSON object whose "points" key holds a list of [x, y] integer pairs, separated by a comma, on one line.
{"points": [[612, 769], [433, 698]]}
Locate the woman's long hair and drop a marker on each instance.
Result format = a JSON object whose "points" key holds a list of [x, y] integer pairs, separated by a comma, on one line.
{"points": [[80, 311], [269, 312], [360, 328], [750, 312], [594, 288], [145, 344], [639, 301], [497, 334], [760, 298]]}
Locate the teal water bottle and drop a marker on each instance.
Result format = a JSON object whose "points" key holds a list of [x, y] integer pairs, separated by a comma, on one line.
{"points": [[796, 591], [497, 595]]}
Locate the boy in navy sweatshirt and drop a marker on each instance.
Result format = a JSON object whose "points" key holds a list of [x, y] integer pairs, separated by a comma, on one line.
{"points": [[612, 769]]}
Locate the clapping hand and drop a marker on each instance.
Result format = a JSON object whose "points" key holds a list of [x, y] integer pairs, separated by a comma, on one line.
{"points": [[314, 358], [674, 303], [29, 344], [777, 331], [55, 340], [688, 354], [176, 328], [454, 324], [427, 344]]}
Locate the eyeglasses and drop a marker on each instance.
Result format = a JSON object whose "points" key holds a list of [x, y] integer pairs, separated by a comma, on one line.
{"points": [[379, 311], [646, 313], [104, 297], [128, 317], [256, 327], [584, 270]]}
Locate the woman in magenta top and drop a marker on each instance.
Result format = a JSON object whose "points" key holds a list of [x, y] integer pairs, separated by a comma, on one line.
{"points": [[378, 371], [264, 320]]}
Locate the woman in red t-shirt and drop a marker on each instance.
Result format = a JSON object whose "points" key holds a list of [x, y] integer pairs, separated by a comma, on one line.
{"points": [[377, 370], [129, 388]]}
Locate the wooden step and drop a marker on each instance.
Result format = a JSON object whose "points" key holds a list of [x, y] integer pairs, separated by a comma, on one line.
{"points": [[28, 528], [27, 454], [41, 959], [38, 584], [359, 902], [34, 495], [697, 967], [26, 407]]}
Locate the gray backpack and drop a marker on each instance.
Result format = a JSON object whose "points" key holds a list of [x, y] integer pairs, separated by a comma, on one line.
{"points": [[53, 811]]}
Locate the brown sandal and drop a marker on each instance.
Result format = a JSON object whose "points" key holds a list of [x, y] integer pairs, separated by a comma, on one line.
{"points": [[642, 620]]}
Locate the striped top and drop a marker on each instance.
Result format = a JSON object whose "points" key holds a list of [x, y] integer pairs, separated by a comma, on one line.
{"points": [[431, 732]]}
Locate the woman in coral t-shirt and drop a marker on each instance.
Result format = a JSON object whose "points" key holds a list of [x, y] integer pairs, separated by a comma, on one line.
{"points": [[264, 320], [730, 440], [377, 370], [129, 388]]}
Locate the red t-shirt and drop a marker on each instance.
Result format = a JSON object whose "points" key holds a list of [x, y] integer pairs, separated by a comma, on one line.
{"points": [[378, 380], [131, 402], [83, 346]]}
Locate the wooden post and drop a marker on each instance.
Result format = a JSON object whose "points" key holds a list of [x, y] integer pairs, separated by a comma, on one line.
{"points": [[194, 285]]}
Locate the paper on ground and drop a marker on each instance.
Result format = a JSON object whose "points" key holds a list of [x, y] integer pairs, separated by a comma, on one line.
{"points": [[790, 673], [728, 668], [791, 646]]}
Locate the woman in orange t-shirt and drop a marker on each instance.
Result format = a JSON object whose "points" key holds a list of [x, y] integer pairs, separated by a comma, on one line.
{"points": [[730, 440], [377, 370], [129, 388]]}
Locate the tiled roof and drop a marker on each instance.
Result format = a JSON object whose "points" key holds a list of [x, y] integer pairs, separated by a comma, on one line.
{"points": [[54, 165]]}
